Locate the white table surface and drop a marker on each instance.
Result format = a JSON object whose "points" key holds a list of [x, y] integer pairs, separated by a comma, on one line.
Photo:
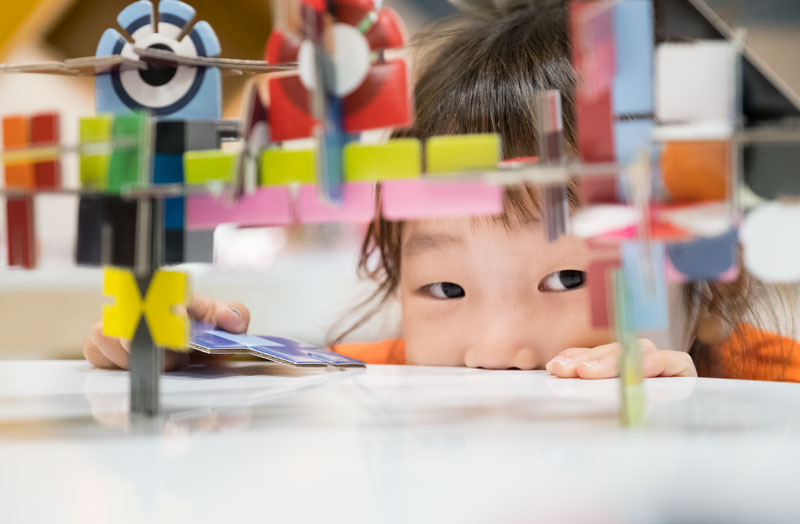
{"points": [[254, 442]]}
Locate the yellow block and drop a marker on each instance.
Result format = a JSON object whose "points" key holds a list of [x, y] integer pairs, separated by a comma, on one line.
{"points": [[168, 327], [455, 153], [280, 167], [201, 167], [121, 318], [167, 292], [395, 159], [94, 168]]}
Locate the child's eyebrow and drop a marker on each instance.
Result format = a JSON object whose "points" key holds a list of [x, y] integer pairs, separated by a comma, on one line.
{"points": [[419, 242]]}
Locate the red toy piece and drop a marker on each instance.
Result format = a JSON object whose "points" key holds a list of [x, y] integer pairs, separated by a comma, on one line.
{"points": [[378, 100], [19, 209]]}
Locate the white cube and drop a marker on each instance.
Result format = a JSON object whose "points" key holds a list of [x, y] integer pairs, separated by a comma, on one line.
{"points": [[696, 82]]}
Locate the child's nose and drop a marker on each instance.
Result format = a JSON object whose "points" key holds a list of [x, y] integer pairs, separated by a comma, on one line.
{"points": [[504, 342]]}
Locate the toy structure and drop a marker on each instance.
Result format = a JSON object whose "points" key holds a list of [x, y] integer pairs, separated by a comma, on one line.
{"points": [[676, 138]]}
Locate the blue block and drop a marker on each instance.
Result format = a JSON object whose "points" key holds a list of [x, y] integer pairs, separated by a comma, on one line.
{"points": [[203, 32], [705, 258], [648, 297], [168, 169], [633, 82], [134, 13], [187, 97], [177, 9], [630, 136]]}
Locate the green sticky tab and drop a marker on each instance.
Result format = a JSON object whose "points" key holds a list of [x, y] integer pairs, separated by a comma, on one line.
{"points": [[451, 154], [280, 167], [395, 159], [94, 167], [128, 156], [201, 167]]}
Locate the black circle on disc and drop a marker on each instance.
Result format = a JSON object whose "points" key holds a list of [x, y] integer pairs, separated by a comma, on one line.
{"points": [[158, 75]]}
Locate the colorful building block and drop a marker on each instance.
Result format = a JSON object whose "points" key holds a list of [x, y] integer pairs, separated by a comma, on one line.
{"points": [[46, 131], [202, 167], [695, 82], [166, 292], [127, 166], [600, 292], [281, 167], [712, 258], [633, 77], [399, 158], [644, 271], [93, 167], [417, 198], [458, 153], [267, 206], [20, 224], [358, 204], [183, 91], [696, 171]]}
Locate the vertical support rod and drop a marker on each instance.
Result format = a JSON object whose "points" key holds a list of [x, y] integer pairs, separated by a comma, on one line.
{"points": [[146, 359]]}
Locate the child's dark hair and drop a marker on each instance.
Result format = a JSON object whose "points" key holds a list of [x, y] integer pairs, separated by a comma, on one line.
{"points": [[478, 73]]}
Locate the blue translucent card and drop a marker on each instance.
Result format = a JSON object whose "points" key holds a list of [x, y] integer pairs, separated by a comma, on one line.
{"points": [[276, 349]]}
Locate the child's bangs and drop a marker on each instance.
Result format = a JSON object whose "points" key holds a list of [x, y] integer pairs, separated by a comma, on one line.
{"points": [[522, 206]]}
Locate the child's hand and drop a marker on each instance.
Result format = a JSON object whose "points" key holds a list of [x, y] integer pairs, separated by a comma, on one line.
{"points": [[603, 362], [112, 353]]}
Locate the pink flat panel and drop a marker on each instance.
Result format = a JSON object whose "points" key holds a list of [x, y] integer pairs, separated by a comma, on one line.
{"points": [[414, 198], [267, 206], [358, 204]]}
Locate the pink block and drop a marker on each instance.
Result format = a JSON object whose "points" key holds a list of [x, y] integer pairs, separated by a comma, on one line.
{"points": [[358, 204], [267, 206], [414, 198]]}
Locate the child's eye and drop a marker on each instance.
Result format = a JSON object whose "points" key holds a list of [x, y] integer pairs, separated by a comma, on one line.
{"points": [[444, 290], [565, 280]]}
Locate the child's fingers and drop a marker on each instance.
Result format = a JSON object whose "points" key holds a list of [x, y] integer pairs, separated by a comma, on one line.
{"points": [[110, 349], [96, 357], [666, 363], [566, 363], [230, 316]]}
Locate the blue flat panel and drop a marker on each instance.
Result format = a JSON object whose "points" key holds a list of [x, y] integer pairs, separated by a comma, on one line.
{"points": [[630, 136], [705, 258], [633, 82], [134, 12], [647, 285], [168, 169]]}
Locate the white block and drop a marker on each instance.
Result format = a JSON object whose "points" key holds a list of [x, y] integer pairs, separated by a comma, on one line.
{"points": [[771, 252], [695, 82]]}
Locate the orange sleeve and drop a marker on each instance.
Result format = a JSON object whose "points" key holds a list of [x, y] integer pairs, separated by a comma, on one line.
{"points": [[753, 354], [384, 352]]}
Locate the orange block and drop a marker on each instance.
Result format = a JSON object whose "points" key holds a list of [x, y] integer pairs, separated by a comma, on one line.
{"points": [[696, 171], [16, 135]]}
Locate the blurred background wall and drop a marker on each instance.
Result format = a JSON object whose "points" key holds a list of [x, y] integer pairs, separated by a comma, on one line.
{"points": [[298, 281]]}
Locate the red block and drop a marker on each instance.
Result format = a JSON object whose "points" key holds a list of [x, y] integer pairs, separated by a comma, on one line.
{"points": [[381, 101], [598, 282], [45, 131], [20, 232]]}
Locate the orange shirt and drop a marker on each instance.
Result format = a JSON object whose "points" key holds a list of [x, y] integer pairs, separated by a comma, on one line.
{"points": [[384, 352], [749, 354]]}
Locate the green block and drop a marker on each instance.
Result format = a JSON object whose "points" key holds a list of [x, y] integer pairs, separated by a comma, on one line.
{"points": [[455, 153], [280, 167], [93, 168], [395, 159], [201, 167], [127, 159]]}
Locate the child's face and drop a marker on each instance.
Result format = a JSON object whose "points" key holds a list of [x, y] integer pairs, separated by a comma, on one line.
{"points": [[479, 295]]}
